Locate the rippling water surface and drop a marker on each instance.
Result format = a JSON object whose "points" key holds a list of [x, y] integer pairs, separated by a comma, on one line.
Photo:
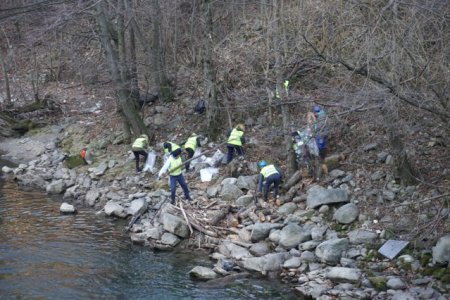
{"points": [[46, 255]]}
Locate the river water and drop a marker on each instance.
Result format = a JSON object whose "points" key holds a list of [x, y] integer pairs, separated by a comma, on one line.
{"points": [[46, 255]]}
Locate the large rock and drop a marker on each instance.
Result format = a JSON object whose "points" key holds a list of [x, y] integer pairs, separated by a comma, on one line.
{"points": [[268, 262], [31, 180], [56, 187], [7, 170], [330, 251], [361, 236], [113, 208], [230, 192], [287, 208], [244, 201], [441, 252], [346, 214], [92, 196], [261, 231], [67, 208], [234, 251], [202, 273], [318, 196], [292, 235], [137, 206], [170, 239], [259, 249], [247, 182], [340, 274], [99, 170], [292, 263], [175, 225]]}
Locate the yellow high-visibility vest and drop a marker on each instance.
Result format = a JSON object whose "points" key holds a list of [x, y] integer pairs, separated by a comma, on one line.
{"points": [[235, 137], [139, 144], [191, 143], [174, 147], [174, 163], [268, 170]]}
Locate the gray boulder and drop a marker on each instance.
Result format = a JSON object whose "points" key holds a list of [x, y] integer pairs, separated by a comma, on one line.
{"points": [[292, 235], [244, 201], [170, 239], [113, 208], [247, 182], [67, 208], [346, 214], [56, 187], [202, 273], [318, 196], [441, 252], [175, 225], [234, 251], [361, 236], [230, 192], [330, 251], [287, 208], [341, 274], [137, 206], [268, 262], [293, 262], [261, 230], [92, 196], [259, 249]]}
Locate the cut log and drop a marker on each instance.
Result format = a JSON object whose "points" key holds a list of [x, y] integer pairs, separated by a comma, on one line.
{"points": [[293, 180], [220, 215]]}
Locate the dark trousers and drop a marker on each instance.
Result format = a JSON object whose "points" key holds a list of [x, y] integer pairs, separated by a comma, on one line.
{"points": [[274, 179], [231, 148], [190, 155], [136, 157], [173, 187]]}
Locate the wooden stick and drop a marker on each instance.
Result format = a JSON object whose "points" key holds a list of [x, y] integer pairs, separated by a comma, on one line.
{"points": [[186, 218], [211, 204], [200, 155]]}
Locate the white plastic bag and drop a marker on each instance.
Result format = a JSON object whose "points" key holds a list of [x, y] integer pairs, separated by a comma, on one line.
{"points": [[150, 162], [312, 147], [197, 152], [215, 159], [207, 174]]}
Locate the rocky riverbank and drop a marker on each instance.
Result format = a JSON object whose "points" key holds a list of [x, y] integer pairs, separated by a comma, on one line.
{"points": [[314, 237]]}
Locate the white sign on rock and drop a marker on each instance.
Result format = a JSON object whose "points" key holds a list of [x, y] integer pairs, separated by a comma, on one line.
{"points": [[392, 248]]}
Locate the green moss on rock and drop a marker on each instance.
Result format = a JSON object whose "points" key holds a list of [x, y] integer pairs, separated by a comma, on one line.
{"points": [[74, 161], [379, 282]]}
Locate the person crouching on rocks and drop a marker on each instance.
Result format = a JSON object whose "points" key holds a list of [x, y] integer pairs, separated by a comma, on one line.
{"points": [[269, 175], [139, 148], [174, 165]]}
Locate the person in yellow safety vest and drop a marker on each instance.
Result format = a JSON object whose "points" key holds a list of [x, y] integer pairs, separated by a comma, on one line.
{"points": [[269, 175], [191, 144], [168, 148], [174, 165], [235, 141], [139, 148]]}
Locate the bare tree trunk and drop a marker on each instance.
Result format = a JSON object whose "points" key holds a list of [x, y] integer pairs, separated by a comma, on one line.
{"points": [[129, 112], [290, 162], [134, 83], [402, 166], [8, 102], [209, 71], [165, 91]]}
